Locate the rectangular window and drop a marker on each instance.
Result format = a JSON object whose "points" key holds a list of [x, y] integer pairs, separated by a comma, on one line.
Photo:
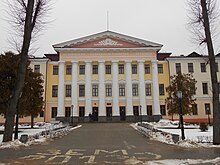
{"points": [[161, 89], [68, 90], [207, 109], [135, 89], [53, 112], [163, 110], [121, 89], [134, 68], [55, 70], [81, 69], [54, 90], [178, 68], [121, 69], [67, 111], [37, 68], [41, 113], [81, 111], [108, 90], [149, 110], [107, 69], [68, 69], [95, 90], [81, 90], [147, 68], [194, 109], [203, 67], [216, 66], [136, 110], [190, 68], [218, 88], [148, 89], [160, 68], [205, 88], [95, 69]]}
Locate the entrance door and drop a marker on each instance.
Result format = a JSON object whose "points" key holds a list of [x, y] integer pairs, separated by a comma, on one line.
{"points": [[122, 113], [95, 113], [109, 113]]}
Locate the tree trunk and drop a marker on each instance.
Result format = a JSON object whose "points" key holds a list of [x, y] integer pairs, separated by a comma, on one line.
{"points": [[215, 92], [10, 114], [32, 121]]}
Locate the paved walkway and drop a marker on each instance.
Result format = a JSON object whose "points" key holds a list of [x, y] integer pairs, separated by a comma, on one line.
{"points": [[102, 144]]}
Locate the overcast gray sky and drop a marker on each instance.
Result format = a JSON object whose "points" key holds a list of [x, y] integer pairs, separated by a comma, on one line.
{"points": [[161, 21]]}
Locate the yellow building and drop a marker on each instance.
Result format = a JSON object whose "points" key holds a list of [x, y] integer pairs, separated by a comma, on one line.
{"points": [[107, 76]]}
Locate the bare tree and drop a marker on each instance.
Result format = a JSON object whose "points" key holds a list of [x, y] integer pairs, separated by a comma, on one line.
{"points": [[203, 18], [26, 17]]}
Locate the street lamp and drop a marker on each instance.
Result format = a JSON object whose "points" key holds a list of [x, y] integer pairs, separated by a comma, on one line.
{"points": [[179, 96], [72, 106], [141, 113], [208, 113]]}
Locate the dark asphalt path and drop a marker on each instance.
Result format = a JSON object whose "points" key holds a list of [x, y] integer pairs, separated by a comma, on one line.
{"points": [[102, 144]]}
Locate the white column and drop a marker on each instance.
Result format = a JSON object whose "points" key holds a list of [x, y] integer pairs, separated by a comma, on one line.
{"points": [[88, 93], [101, 70], [156, 110], [142, 86], [74, 91], [129, 107], [115, 87], [61, 111]]}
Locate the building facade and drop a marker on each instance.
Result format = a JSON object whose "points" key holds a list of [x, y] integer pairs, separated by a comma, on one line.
{"points": [[109, 76]]}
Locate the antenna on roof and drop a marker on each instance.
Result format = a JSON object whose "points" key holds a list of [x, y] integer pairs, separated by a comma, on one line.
{"points": [[107, 20]]}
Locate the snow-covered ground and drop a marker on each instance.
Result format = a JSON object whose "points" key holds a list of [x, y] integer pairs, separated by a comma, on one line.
{"points": [[194, 136], [39, 134]]}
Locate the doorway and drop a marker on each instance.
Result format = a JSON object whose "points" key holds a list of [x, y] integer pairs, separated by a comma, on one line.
{"points": [[95, 113], [122, 113], [109, 113]]}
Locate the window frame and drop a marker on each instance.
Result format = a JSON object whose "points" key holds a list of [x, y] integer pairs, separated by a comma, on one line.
{"points": [[134, 68], [95, 90], [161, 90], [147, 68], [121, 69], [54, 90], [82, 69], [122, 90], [95, 69], [68, 69], [37, 68], [205, 88], [108, 69], [55, 70], [68, 90], [81, 90], [203, 67], [190, 68], [135, 89], [160, 68], [108, 90]]}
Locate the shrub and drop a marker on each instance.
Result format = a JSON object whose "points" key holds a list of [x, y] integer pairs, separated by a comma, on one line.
{"points": [[203, 127]]}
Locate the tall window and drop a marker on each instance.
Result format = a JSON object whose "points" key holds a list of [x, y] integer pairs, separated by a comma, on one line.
{"points": [[207, 109], [160, 68], [178, 68], [194, 109], [163, 110], [216, 66], [147, 68], [95, 69], [108, 90], [161, 89], [218, 88], [54, 90], [67, 111], [107, 69], [203, 67], [134, 68], [37, 68], [149, 110], [121, 69], [81, 111], [81, 90], [190, 68], [205, 88], [68, 90], [135, 89], [148, 89], [95, 90], [81, 69], [55, 70], [136, 110], [68, 69], [53, 112], [121, 89]]}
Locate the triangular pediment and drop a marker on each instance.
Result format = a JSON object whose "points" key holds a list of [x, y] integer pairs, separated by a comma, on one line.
{"points": [[108, 39]]}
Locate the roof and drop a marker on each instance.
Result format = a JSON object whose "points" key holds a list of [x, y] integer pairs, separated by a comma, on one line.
{"points": [[53, 57], [108, 39]]}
